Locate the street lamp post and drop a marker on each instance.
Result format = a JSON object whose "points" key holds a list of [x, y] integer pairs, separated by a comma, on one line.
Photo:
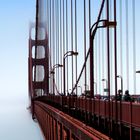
{"points": [[53, 72], [69, 91], [137, 72], [69, 53], [86, 90], [119, 76], [96, 87], [86, 86], [105, 89], [81, 89], [99, 24]]}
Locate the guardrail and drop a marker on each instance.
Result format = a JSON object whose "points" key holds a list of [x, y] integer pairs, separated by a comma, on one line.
{"points": [[95, 113], [57, 125]]}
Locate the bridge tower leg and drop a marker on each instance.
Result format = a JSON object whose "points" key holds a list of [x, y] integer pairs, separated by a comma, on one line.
{"points": [[38, 63]]}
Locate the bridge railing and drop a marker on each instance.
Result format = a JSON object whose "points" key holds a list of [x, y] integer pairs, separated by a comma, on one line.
{"points": [[102, 65], [81, 108], [62, 126]]}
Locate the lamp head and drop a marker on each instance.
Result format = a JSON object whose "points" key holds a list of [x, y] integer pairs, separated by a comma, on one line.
{"points": [[52, 72], [103, 79], [138, 71], [74, 53], [110, 24], [59, 65]]}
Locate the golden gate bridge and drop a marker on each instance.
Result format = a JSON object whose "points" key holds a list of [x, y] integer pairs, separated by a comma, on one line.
{"points": [[83, 69]]}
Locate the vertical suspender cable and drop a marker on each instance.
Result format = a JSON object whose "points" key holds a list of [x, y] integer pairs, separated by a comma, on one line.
{"points": [[46, 16], [57, 22], [36, 35], [72, 40], [63, 30], [96, 63], [53, 37], [134, 65], [112, 79], [121, 60], [96, 43], [58, 45], [115, 59], [121, 48], [103, 75], [53, 44], [85, 43], [111, 48], [63, 27], [99, 69], [127, 46], [48, 22], [56, 73], [47, 32], [134, 46], [59, 77], [50, 42], [89, 13], [76, 42], [55, 33], [99, 60], [61, 55], [108, 63], [67, 40], [85, 53], [50, 37], [55, 9]]}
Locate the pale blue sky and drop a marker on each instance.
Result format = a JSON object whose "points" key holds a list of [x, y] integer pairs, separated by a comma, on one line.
{"points": [[14, 25], [15, 121]]}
